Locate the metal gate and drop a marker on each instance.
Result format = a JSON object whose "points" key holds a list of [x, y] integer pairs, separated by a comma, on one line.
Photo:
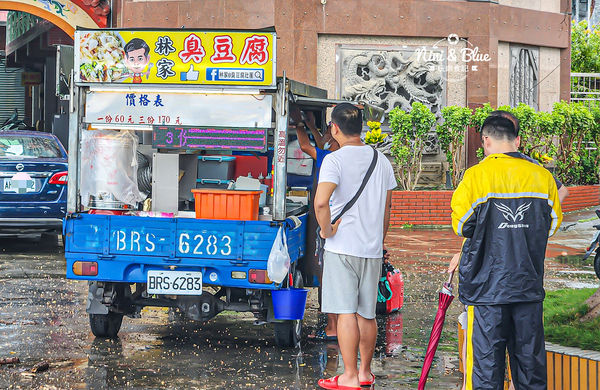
{"points": [[585, 87], [12, 93]]}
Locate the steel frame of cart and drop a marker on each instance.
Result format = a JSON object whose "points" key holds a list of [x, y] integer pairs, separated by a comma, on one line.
{"points": [[216, 264]]}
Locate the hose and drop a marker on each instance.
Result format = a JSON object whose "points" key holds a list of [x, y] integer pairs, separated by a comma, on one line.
{"points": [[145, 179], [142, 161]]}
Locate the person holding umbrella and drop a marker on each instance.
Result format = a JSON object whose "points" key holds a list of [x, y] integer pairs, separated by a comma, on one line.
{"points": [[563, 192], [506, 207]]}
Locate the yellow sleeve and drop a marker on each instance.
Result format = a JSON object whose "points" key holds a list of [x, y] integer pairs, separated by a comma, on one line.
{"points": [[463, 216], [554, 202]]}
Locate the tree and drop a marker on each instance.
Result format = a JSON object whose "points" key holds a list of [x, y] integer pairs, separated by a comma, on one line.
{"points": [[585, 46], [451, 136], [409, 132]]}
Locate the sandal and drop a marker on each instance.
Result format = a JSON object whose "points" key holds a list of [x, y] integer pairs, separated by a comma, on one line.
{"points": [[322, 336], [369, 383], [332, 383]]}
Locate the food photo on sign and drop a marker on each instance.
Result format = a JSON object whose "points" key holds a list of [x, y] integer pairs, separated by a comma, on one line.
{"points": [[175, 57]]}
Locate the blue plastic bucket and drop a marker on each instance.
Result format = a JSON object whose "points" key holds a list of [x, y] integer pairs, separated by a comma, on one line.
{"points": [[289, 303]]}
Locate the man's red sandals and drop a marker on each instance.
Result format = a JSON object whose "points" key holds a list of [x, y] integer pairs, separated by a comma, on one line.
{"points": [[332, 383], [369, 383]]}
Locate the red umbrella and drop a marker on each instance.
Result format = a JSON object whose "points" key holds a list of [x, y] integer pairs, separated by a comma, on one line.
{"points": [[446, 298]]}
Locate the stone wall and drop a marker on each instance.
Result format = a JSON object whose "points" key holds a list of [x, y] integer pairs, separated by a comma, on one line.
{"points": [[328, 71], [548, 89], [503, 73], [539, 5]]}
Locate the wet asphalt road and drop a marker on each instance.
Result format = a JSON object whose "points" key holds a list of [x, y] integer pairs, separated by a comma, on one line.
{"points": [[43, 319]]}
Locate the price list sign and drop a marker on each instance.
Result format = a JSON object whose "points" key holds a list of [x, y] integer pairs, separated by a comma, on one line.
{"points": [[213, 138]]}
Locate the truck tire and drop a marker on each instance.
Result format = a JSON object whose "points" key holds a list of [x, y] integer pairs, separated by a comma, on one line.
{"points": [[597, 264], [289, 333], [106, 325]]}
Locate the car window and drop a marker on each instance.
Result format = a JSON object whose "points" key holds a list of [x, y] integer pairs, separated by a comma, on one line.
{"points": [[28, 147]]}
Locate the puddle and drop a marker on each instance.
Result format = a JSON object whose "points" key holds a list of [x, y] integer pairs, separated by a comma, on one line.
{"points": [[581, 285], [567, 283]]}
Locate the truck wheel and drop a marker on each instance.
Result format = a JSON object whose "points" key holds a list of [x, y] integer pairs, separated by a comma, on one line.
{"points": [[597, 264], [106, 325], [289, 333]]}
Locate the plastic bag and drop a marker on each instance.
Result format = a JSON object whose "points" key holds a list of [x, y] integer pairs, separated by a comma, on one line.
{"points": [[109, 166], [298, 162], [278, 264]]}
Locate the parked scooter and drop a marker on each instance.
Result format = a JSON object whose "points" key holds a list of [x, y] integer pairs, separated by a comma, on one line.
{"points": [[595, 247], [13, 122]]}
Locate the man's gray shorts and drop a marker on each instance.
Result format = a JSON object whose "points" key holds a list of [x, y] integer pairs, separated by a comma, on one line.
{"points": [[350, 284]]}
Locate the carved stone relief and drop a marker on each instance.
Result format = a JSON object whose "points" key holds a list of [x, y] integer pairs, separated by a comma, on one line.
{"points": [[524, 75], [392, 76], [432, 146]]}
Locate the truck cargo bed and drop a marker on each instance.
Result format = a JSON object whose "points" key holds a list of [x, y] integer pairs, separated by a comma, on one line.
{"points": [[127, 247]]}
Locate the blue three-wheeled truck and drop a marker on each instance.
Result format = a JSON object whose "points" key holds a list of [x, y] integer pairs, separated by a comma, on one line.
{"points": [[141, 143]]}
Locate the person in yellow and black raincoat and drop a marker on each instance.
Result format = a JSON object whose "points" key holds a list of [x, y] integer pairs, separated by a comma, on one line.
{"points": [[506, 207]]}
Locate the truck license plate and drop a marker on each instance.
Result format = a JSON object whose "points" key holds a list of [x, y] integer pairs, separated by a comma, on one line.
{"points": [[174, 282]]}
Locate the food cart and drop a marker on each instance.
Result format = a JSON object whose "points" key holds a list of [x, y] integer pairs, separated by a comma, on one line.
{"points": [[153, 113]]}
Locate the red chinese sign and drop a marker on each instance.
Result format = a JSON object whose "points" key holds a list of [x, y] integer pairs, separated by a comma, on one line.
{"points": [[255, 50], [193, 49], [223, 50]]}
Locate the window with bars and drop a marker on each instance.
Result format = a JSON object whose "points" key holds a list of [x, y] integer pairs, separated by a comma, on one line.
{"points": [[580, 9], [524, 75]]}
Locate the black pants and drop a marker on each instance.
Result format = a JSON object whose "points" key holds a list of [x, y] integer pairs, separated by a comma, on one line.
{"points": [[491, 330], [309, 264]]}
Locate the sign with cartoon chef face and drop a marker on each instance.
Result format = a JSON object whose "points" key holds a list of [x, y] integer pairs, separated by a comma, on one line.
{"points": [[175, 57]]}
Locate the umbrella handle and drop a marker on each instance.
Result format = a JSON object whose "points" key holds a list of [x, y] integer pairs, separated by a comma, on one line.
{"points": [[448, 285]]}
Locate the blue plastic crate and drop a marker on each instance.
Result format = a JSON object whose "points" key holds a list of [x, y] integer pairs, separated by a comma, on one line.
{"points": [[216, 167]]}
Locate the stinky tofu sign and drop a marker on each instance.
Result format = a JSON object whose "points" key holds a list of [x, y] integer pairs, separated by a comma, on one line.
{"points": [[180, 57]]}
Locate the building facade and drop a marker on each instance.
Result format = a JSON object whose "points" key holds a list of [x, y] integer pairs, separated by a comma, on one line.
{"points": [[311, 33], [394, 52], [389, 53]]}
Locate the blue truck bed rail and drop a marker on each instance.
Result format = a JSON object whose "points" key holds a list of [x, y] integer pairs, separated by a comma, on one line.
{"points": [[127, 247]]}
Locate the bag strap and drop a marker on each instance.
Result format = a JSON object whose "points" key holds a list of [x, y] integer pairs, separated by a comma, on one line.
{"points": [[360, 189]]}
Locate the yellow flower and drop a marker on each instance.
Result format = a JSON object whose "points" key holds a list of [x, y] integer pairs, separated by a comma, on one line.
{"points": [[374, 136], [373, 125]]}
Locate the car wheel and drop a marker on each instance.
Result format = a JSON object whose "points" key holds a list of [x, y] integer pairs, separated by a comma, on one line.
{"points": [[289, 333], [106, 325], [597, 264]]}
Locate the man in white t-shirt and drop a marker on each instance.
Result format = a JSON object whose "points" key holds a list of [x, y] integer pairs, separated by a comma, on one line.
{"points": [[354, 246]]}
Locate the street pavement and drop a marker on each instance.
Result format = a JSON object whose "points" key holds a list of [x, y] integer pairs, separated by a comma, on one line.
{"points": [[43, 319]]}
